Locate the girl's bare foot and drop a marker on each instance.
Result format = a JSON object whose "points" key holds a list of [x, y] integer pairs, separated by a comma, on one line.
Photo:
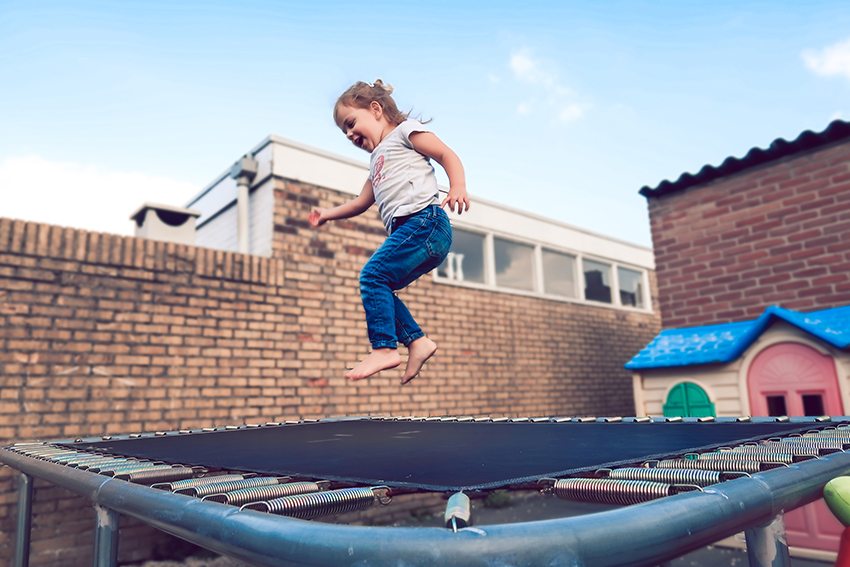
{"points": [[379, 359], [419, 351]]}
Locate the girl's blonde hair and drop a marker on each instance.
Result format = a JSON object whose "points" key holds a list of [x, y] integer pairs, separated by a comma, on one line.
{"points": [[361, 95]]}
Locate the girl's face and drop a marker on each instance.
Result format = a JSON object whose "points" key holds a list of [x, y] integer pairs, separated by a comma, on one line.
{"points": [[365, 127]]}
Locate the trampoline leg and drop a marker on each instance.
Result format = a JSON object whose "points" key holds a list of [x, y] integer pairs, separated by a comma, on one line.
{"points": [[105, 537], [767, 545], [22, 534]]}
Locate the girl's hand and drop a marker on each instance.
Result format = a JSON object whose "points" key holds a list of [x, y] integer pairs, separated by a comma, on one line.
{"points": [[456, 197], [317, 217]]}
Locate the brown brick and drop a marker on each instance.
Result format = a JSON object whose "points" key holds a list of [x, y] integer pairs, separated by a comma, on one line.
{"points": [[789, 217]]}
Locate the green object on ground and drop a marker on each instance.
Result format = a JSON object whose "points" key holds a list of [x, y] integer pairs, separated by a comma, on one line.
{"points": [[837, 496]]}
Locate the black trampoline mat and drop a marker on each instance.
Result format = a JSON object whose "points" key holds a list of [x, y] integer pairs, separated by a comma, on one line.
{"points": [[442, 456]]}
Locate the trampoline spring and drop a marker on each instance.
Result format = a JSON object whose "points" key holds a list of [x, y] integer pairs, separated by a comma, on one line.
{"points": [[190, 482], [90, 465], [85, 459], [80, 457], [748, 456], [110, 466], [62, 457], [670, 476], [307, 506], [819, 447], [838, 438], [135, 468], [750, 467], [623, 492], [264, 493], [796, 450], [229, 486], [44, 452], [818, 438], [156, 475]]}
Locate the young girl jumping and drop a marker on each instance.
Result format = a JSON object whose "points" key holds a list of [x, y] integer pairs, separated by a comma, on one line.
{"points": [[403, 184]]}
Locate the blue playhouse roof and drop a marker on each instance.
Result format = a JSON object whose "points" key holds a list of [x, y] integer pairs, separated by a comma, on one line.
{"points": [[726, 342]]}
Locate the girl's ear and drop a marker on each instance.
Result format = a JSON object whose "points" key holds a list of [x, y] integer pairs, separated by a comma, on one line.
{"points": [[376, 109]]}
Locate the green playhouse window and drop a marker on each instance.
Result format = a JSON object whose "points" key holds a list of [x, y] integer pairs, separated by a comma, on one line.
{"points": [[688, 400]]}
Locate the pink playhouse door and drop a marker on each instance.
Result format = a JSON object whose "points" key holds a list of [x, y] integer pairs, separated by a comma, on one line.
{"points": [[796, 380]]}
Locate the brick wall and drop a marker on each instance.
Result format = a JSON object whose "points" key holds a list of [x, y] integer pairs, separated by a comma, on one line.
{"points": [[778, 234], [103, 334], [498, 354]]}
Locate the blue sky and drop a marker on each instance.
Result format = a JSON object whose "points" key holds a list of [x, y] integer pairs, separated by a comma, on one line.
{"points": [[564, 109]]}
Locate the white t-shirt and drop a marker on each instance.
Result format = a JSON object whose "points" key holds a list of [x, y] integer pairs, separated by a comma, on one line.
{"points": [[403, 180]]}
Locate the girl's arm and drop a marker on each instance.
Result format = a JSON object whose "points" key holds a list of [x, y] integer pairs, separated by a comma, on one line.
{"points": [[358, 205], [428, 144]]}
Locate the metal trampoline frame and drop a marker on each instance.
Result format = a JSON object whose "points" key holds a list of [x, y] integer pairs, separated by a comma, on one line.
{"points": [[638, 535]]}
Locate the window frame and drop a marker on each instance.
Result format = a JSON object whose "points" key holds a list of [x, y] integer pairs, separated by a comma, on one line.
{"points": [[643, 284], [538, 276], [536, 282]]}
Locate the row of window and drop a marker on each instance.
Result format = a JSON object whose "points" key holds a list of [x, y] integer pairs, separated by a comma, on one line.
{"points": [[495, 261]]}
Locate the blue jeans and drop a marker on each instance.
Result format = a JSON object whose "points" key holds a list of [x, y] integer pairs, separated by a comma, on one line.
{"points": [[417, 244]]}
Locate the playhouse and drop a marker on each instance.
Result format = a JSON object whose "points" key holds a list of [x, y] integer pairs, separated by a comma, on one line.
{"points": [[785, 363]]}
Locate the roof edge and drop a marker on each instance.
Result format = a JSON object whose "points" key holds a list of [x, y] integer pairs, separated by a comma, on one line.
{"points": [[747, 338], [837, 131]]}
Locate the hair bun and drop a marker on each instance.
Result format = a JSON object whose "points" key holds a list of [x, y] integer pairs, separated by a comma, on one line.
{"points": [[380, 83]]}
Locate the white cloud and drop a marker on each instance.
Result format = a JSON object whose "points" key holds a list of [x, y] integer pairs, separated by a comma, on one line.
{"points": [[528, 70], [82, 196], [571, 113], [831, 60], [542, 77]]}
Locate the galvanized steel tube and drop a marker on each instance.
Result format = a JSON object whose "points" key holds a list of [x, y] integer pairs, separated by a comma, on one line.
{"points": [[22, 534]]}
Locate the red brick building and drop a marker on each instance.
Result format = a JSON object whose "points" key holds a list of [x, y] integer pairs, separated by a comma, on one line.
{"points": [[771, 228]]}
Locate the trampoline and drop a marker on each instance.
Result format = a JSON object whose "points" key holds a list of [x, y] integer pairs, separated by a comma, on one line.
{"points": [[249, 491]]}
